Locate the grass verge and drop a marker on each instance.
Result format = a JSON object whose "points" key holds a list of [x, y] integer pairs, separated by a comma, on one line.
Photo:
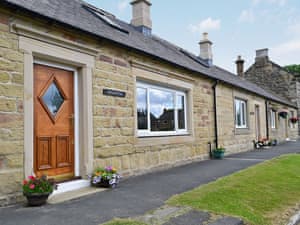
{"points": [[258, 194]]}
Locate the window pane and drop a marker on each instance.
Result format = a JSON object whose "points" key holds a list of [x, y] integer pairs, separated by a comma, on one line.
{"points": [[161, 110], [142, 109], [238, 113], [53, 99], [273, 119], [180, 112], [243, 113]]}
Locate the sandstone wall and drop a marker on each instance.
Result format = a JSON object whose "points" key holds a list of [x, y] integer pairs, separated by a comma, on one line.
{"points": [[115, 139], [11, 114], [233, 139]]}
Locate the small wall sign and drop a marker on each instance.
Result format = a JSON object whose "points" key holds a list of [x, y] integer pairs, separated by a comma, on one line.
{"points": [[114, 93]]}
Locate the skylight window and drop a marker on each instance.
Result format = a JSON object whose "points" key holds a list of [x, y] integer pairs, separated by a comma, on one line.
{"points": [[100, 14], [107, 20]]}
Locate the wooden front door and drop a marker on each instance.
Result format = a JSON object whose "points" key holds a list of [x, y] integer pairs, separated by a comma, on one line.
{"points": [[53, 122]]}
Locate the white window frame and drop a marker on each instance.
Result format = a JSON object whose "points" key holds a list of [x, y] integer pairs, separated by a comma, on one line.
{"points": [[273, 118], [176, 93], [242, 103]]}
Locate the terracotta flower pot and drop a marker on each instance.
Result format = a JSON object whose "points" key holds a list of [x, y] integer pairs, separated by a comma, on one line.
{"points": [[36, 199]]}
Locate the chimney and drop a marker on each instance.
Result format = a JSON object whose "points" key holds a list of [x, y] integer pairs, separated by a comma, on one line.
{"points": [[262, 56], [206, 49], [240, 66], [141, 17]]}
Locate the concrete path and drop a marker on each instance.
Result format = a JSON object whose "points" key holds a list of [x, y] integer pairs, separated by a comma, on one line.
{"points": [[138, 195]]}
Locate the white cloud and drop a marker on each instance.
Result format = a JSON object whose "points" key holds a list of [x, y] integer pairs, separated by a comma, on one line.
{"points": [[246, 16], [287, 52], [277, 2], [205, 25], [122, 5]]}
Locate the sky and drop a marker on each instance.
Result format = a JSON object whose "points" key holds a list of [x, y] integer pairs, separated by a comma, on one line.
{"points": [[235, 27]]}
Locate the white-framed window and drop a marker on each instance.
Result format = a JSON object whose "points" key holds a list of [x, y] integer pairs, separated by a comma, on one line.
{"points": [[240, 113], [273, 118], [161, 111]]}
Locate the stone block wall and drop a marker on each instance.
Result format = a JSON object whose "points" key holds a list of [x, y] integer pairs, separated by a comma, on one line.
{"points": [[233, 139], [11, 114], [284, 128], [115, 139], [274, 78], [271, 77]]}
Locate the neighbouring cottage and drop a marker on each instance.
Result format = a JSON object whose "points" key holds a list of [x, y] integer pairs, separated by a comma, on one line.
{"points": [[274, 78], [80, 88]]}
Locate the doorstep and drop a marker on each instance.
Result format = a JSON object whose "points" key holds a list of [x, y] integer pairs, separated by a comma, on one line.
{"points": [[72, 190]]}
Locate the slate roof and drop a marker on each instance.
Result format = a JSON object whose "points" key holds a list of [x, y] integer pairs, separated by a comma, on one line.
{"points": [[75, 14]]}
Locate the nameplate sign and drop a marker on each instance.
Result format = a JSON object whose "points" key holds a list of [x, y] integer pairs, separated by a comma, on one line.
{"points": [[114, 93]]}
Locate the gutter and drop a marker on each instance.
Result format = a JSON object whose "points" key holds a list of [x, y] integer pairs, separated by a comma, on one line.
{"points": [[214, 87]]}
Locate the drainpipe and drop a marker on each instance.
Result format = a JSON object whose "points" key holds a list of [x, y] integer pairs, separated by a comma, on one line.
{"points": [[267, 119], [215, 116]]}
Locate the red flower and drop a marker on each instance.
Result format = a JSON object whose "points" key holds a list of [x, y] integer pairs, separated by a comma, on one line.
{"points": [[31, 177], [25, 182], [31, 186]]}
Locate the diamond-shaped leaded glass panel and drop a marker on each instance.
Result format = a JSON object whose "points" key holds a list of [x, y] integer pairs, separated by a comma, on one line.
{"points": [[53, 99]]}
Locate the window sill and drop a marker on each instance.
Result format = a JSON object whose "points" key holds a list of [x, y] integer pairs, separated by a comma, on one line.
{"points": [[242, 131], [163, 140]]}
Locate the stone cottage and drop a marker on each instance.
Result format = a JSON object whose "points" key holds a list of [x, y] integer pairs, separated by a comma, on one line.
{"points": [[80, 88], [274, 78]]}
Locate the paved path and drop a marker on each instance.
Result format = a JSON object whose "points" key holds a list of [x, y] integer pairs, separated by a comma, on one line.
{"points": [[138, 195]]}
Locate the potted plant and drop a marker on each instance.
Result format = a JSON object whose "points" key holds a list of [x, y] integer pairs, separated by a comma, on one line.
{"points": [[105, 177], [218, 153], [274, 142], [294, 120], [283, 114], [37, 190]]}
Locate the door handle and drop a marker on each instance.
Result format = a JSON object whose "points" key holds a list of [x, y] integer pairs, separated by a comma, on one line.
{"points": [[72, 118]]}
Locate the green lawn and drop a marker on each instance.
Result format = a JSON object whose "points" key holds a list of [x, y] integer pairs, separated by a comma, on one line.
{"points": [[124, 222], [259, 194]]}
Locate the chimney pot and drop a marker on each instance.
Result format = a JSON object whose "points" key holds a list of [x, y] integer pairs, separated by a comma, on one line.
{"points": [[206, 49], [240, 66], [262, 53], [141, 17], [262, 56]]}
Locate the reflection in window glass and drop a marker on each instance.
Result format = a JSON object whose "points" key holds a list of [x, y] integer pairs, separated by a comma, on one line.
{"points": [[180, 112], [240, 113], [273, 119], [161, 110], [142, 109], [53, 99]]}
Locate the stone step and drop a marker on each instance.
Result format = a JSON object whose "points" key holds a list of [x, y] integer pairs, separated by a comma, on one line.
{"points": [[70, 195]]}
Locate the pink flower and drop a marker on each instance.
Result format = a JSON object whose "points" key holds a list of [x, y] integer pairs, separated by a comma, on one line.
{"points": [[25, 182], [31, 186], [31, 177], [108, 168]]}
